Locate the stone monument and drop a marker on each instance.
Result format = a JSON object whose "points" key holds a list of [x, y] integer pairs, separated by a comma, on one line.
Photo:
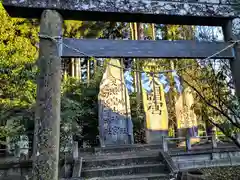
{"points": [[115, 124], [156, 113], [186, 118]]}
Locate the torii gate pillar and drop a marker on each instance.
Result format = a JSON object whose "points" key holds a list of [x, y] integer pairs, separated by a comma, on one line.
{"points": [[47, 121], [235, 63]]}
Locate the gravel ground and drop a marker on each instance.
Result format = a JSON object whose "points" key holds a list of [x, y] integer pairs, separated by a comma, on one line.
{"points": [[222, 173]]}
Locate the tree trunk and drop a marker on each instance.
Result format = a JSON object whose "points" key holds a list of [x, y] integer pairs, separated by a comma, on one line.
{"points": [[72, 64], [88, 71], [134, 36]]}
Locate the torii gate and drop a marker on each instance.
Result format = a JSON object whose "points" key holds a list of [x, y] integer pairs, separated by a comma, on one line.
{"points": [[217, 13]]}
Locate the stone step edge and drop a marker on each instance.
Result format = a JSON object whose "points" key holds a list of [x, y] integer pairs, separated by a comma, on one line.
{"points": [[129, 146], [119, 157], [85, 169], [140, 176], [137, 176], [117, 154], [122, 150], [132, 146], [123, 167]]}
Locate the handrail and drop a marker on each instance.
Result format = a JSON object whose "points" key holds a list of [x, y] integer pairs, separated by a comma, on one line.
{"points": [[80, 168], [179, 138], [213, 139], [170, 164], [200, 137]]}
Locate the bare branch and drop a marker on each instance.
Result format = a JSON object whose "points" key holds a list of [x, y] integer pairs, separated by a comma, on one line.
{"points": [[211, 105], [226, 134]]}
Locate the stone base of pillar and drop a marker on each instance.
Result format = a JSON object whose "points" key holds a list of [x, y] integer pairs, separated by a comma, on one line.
{"points": [[192, 132], [155, 136]]}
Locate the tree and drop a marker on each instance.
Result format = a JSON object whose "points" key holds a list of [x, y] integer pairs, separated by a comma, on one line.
{"points": [[217, 101], [213, 86], [80, 109], [18, 51]]}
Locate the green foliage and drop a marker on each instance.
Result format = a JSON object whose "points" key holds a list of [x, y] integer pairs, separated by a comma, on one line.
{"points": [[138, 119], [80, 108], [13, 130], [92, 29], [216, 101], [79, 29], [18, 51]]}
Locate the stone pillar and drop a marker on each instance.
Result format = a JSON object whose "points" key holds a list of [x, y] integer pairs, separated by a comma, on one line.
{"points": [[188, 143], [235, 63], [165, 144], [214, 141], [210, 129], [47, 117], [75, 150]]}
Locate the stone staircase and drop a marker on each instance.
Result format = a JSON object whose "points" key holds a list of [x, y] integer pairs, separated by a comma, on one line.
{"points": [[126, 162]]}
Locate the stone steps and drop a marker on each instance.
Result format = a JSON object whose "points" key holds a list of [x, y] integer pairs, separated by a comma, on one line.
{"points": [[121, 149], [128, 148], [140, 162], [121, 160], [121, 153], [125, 170]]}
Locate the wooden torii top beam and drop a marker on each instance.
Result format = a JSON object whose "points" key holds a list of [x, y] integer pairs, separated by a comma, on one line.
{"points": [[202, 12]]}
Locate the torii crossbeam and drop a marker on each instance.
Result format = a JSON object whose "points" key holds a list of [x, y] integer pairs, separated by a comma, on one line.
{"points": [[202, 12]]}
